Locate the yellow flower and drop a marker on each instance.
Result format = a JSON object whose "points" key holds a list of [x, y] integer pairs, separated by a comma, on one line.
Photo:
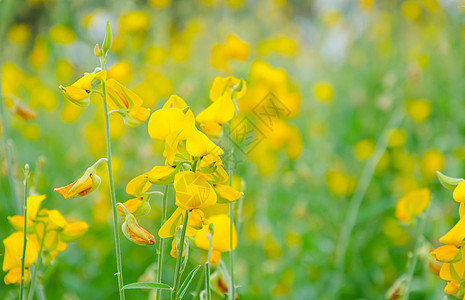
{"points": [[139, 206], [431, 162], [446, 253], [453, 271], [215, 257], [171, 225], [456, 235], [125, 102], [197, 219], [230, 85], [73, 231], [323, 91], [419, 109], [412, 204], [451, 288], [220, 237], [84, 185], [134, 232], [12, 258], [364, 149], [227, 192], [79, 91], [193, 191]]}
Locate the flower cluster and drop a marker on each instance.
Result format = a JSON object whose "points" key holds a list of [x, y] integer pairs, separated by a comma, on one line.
{"points": [[193, 166], [451, 253], [48, 233]]}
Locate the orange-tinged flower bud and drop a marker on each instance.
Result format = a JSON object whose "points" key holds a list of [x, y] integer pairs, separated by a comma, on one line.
{"points": [[25, 112], [134, 232], [215, 257], [197, 219], [174, 250], [84, 185], [227, 192], [447, 253], [97, 51], [451, 288], [73, 231], [459, 192]]}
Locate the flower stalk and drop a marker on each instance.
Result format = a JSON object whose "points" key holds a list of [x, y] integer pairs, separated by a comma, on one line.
{"points": [[23, 257], [177, 271], [113, 198], [32, 287], [232, 290], [161, 242]]}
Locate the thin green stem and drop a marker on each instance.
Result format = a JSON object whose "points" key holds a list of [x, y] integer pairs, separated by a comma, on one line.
{"points": [[207, 265], [177, 271], [8, 154], [23, 257], [359, 194], [414, 255], [230, 149], [161, 249], [113, 199], [32, 287]]}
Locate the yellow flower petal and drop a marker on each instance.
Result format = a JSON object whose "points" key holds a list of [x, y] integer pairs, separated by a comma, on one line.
{"points": [[73, 231], [412, 204], [459, 192], [456, 235], [14, 276], [118, 96], [227, 192], [446, 253], [198, 144], [166, 121], [193, 191], [138, 185], [33, 204], [221, 111], [57, 218], [221, 234], [14, 250]]}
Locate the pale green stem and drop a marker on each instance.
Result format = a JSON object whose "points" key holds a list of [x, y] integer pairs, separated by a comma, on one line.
{"points": [[113, 199], [8, 154], [355, 202], [414, 255], [32, 287], [232, 290], [23, 257], [161, 249], [207, 268], [177, 271]]}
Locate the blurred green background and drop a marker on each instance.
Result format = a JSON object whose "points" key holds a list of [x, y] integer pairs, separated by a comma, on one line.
{"points": [[352, 75]]}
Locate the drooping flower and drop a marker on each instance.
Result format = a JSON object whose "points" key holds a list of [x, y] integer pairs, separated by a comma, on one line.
{"points": [[84, 185], [79, 91], [134, 232]]}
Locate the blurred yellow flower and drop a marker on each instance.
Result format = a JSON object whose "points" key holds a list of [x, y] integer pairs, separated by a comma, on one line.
{"points": [[397, 137], [364, 149], [134, 21], [339, 183], [419, 109], [412, 204], [160, 3], [62, 34], [323, 91], [411, 9], [19, 33]]}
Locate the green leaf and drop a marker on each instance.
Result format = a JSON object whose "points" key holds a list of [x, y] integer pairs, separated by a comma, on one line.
{"points": [[187, 282], [107, 40], [448, 182], [146, 285]]}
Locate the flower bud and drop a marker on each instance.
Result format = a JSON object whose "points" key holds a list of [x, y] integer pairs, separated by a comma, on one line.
{"points": [[97, 51], [215, 257], [197, 219], [161, 175], [134, 232], [84, 185], [452, 288], [139, 206], [447, 253], [174, 250]]}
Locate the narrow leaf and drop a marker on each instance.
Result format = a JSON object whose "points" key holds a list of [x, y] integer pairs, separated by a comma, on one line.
{"points": [[146, 285], [187, 282]]}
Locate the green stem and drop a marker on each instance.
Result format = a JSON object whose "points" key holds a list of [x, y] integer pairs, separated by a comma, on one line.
{"points": [[232, 291], [177, 271], [359, 194], [161, 242], [37, 266], [8, 154], [207, 265], [23, 257], [113, 198], [414, 257]]}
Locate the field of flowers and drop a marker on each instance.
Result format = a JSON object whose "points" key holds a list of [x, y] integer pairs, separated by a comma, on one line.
{"points": [[232, 149]]}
